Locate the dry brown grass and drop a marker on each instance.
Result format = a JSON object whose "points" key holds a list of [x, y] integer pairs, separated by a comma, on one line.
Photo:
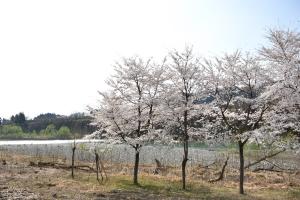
{"points": [[49, 182]]}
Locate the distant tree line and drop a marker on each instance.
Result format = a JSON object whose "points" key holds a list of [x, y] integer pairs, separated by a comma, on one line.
{"points": [[15, 132], [77, 123]]}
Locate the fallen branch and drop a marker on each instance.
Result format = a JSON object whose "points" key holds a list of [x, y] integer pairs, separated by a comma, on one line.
{"points": [[272, 168], [281, 168], [221, 173], [264, 158], [275, 165], [267, 169], [62, 166], [80, 167], [207, 166]]}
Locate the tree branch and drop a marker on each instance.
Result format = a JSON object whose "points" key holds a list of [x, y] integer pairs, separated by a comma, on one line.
{"points": [[264, 158]]}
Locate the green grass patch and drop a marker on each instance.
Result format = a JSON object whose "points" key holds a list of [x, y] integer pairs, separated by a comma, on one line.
{"points": [[195, 190]]}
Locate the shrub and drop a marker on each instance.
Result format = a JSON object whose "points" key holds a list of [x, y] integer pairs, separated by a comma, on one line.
{"points": [[64, 133], [10, 129]]}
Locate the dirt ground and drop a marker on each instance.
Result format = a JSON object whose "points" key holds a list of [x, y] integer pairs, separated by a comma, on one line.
{"points": [[22, 178], [27, 182]]}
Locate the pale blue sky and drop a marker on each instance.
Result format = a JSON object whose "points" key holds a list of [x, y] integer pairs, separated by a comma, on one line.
{"points": [[55, 55], [231, 24]]}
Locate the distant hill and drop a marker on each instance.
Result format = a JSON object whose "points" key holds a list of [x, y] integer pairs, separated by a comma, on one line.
{"points": [[78, 123]]}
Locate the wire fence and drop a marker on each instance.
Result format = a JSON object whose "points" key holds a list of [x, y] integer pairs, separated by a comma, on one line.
{"points": [[167, 155]]}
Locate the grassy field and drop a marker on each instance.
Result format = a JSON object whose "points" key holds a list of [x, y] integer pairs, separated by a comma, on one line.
{"points": [[19, 176]]}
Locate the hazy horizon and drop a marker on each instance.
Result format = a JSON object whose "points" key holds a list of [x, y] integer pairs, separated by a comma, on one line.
{"points": [[56, 55]]}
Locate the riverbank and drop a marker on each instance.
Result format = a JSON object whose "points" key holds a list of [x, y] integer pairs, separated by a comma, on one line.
{"points": [[22, 177]]}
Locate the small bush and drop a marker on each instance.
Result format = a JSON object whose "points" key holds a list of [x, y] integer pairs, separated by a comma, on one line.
{"points": [[64, 133]]}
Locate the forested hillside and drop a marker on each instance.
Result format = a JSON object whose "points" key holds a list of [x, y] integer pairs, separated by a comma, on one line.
{"points": [[45, 126]]}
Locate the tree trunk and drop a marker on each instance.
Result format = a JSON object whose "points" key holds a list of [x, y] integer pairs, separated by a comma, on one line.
{"points": [[241, 153], [184, 161], [185, 146], [97, 165], [136, 167], [73, 157]]}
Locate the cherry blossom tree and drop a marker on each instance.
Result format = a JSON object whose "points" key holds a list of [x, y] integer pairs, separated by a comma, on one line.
{"points": [[184, 72], [238, 97], [126, 113], [237, 83], [282, 58]]}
